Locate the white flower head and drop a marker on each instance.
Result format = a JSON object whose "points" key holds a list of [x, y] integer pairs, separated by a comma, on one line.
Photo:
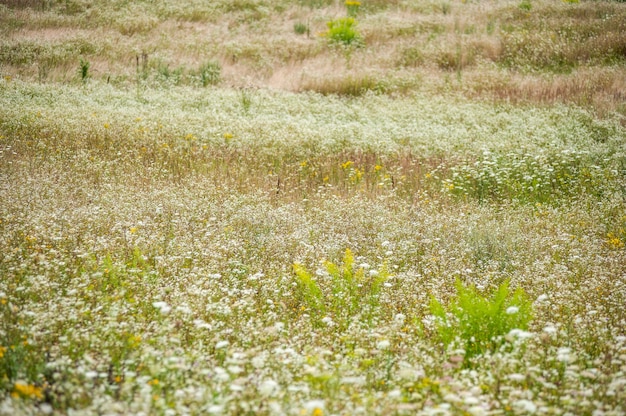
{"points": [[383, 344], [163, 307], [512, 310]]}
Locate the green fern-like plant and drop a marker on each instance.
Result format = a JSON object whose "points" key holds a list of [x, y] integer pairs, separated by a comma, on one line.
{"points": [[481, 322]]}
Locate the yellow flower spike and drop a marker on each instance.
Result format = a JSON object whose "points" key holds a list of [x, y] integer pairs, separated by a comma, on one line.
{"points": [[347, 164], [377, 168]]}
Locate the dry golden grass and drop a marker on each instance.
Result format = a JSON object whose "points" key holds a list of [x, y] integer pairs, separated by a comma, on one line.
{"points": [[555, 52]]}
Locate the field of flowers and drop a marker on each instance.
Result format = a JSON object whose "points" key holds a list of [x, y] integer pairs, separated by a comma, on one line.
{"points": [[214, 249], [148, 249]]}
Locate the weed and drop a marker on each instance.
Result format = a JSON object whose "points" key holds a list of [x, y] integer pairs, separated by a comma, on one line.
{"points": [[301, 28], [210, 73], [343, 31], [352, 7], [352, 291], [245, 98], [525, 5], [480, 322]]}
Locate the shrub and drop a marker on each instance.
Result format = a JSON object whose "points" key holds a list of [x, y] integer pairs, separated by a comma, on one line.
{"points": [[481, 322]]}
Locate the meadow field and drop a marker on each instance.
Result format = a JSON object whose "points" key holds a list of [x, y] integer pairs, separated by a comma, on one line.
{"points": [[312, 207]]}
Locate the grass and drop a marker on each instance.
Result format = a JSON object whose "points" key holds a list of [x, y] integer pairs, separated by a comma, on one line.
{"points": [[458, 227]]}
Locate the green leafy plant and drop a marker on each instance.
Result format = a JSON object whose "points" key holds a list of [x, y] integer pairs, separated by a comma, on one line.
{"points": [[84, 69], [481, 322], [343, 31], [525, 5], [352, 7], [351, 290], [210, 73], [301, 28]]}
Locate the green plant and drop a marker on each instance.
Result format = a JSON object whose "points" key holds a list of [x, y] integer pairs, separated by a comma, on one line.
{"points": [[210, 73], [84, 69], [445, 8], [301, 28], [351, 290], [352, 7], [525, 5], [246, 100], [481, 322], [343, 31]]}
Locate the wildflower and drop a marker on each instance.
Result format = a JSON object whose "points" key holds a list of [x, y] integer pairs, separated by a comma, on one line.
{"points": [[383, 344], [565, 355], [27, 391], [347, 164], [525, 406], [377, 168], [2, 350], [352, 3], [163, 307], [314, 407], [106, 125], [221, 344], [133, 230], [512, 310], [614, 241], [268, 387]]}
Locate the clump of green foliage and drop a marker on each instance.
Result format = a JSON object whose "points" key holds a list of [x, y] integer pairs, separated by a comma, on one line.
{"points": [[525, 5], [481, 322], [343, 31], [210, 73], [301, 28], [351, 291], [84, 69]]}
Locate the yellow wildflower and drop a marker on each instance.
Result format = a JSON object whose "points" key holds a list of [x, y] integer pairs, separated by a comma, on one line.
{"points": [[614, 241], [27, 391], [347, 164]]}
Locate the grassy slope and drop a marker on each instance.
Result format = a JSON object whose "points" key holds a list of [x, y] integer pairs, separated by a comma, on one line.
{"points": [[117, 197]]}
